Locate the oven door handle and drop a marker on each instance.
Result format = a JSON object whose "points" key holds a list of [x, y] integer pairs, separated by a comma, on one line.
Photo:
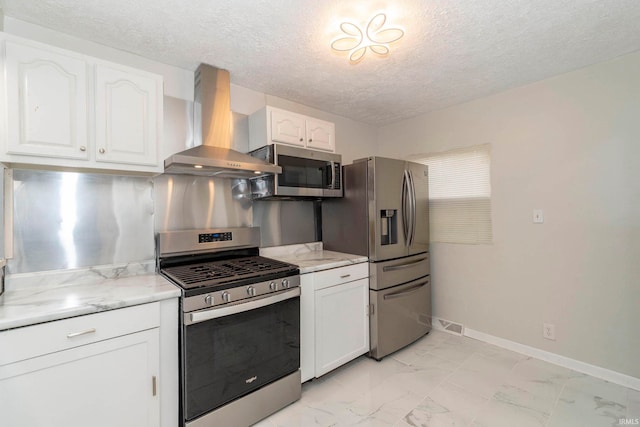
{"points": [[214, 313]]}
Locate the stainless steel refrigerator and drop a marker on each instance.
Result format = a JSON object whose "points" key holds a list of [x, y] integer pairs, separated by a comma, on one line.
{"points": [[384, 215]]}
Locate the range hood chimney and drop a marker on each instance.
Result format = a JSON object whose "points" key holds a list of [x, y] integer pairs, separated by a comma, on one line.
{"points": [[212, 126]]}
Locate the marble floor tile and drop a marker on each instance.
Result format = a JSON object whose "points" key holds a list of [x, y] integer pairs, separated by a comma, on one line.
{"points": [[454, 349], [425, 374], [501, 354], [448, 380], [589, 402], [386, 403], [534, 384], [482, 374], [500, 413], [447, 405]]}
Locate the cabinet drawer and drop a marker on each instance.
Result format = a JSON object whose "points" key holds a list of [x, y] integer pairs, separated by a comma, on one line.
{"points": [[336, 276], [31, 341]]}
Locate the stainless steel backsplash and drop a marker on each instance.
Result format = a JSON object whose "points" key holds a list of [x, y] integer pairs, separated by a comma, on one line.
{"points": [[68, 220], [186, 201], [285, 222], [65, 220]]}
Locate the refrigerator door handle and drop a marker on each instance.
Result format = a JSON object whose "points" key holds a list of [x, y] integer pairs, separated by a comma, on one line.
{"points": [[406, 220], [412, 208]]}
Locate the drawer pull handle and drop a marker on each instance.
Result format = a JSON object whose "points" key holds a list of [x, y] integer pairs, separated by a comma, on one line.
{"points": [[77, 334], [401, 266], [345, 276], [407, 291]]}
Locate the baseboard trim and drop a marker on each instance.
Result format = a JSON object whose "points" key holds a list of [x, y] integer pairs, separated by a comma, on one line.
{"points": [[567, 362]]}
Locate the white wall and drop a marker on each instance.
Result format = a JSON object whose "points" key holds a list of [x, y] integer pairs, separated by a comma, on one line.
{"points": [[569, 145]]}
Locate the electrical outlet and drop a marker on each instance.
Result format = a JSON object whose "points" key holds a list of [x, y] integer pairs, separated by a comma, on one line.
{"points": [[538, 217], [549, 331]]}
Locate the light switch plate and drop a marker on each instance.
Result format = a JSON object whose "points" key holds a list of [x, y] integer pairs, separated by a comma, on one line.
{"points": [[538, 217]]}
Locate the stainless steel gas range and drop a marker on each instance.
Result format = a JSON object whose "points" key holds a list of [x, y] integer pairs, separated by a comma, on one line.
{"points": [[239, 326]]}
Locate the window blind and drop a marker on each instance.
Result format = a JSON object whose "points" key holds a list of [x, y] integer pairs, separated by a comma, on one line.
{"points": [[460, 195]]}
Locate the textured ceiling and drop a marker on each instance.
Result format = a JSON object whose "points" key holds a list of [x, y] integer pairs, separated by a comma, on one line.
{"points": [[453, 51]]}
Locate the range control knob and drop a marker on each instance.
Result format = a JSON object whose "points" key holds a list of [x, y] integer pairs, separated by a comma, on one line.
{"points": [[273, 286], [285, 283], [226, 296], [208, 300], [251, 291]]}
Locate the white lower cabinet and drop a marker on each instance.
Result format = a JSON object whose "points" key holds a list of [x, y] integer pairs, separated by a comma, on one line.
{"points": [[334, 324], [342, 324], [103, 384], [98, 370]]}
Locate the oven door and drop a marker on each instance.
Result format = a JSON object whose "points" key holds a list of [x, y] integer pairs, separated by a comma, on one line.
{"points": [[231, 351]]}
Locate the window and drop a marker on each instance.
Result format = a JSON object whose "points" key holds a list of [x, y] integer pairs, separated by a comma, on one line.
{"points": [[460, 195]]}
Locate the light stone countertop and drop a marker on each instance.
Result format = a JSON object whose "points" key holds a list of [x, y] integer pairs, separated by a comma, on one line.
{"points": [[35, 298], [31, 304], [310, 257]]}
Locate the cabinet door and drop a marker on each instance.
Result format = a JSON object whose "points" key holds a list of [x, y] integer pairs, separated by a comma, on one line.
{"points": [[47, 103], [108, 383], [342, 324], [287, 127], [320, 135], [126, 117]]}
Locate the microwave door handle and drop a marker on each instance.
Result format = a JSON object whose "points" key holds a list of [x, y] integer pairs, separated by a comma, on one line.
{"points": [[333, 175]]}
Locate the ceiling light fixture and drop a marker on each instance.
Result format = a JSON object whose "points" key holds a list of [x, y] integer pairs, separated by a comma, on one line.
{"points": [[357, 40]]}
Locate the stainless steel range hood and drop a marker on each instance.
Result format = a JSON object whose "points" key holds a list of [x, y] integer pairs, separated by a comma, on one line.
{"points": [[212, 125]]}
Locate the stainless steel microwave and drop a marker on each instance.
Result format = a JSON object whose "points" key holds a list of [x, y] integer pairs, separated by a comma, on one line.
{"points": [[305, 173]]}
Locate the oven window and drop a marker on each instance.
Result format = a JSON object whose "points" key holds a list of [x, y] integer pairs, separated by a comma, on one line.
{"points": [[300, 172], [231, 356]]}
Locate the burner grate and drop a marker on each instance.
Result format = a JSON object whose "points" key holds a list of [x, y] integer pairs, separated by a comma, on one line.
{"points": [[218, 272]]}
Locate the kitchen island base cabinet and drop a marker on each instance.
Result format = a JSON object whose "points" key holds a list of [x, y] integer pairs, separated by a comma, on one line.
{"points": [[342, 324]]}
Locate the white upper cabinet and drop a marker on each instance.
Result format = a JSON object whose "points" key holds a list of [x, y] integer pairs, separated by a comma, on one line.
{"points": [[126, 117], [321, 135], [47, 99], [272, 125], [66, 109], [287, 127]]}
